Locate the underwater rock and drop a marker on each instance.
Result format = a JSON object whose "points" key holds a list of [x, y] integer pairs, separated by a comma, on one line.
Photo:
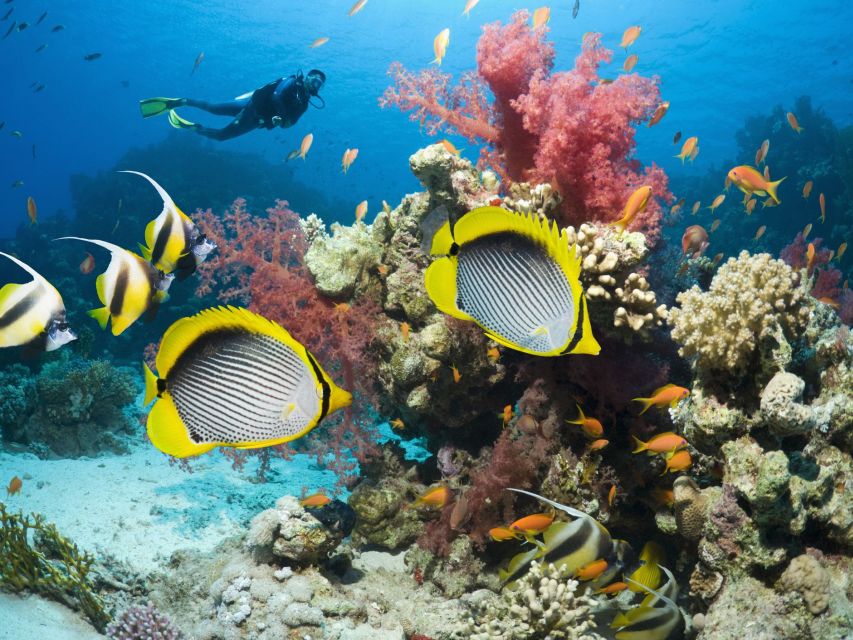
{"points": [[806, 576], [381, 519], [341, 263], [451, 180], [706, 421], [291, 533], [781, 406], [540, 199], [691, 506]]}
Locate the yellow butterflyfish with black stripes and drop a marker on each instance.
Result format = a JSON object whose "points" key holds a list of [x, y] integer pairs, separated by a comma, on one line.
{"points": [[173, 243], [32, 313], [129, 287], [230, 377], [513, 274]]}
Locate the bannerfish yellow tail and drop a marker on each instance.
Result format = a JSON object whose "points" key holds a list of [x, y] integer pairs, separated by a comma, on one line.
{"points": [[230, 377]]}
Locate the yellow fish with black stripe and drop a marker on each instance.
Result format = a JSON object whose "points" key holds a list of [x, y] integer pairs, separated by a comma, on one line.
{"points": [[32, 313], [128, 288], [513, 274], [656, 618], [229, 377], [172, 240], [648, 573]]}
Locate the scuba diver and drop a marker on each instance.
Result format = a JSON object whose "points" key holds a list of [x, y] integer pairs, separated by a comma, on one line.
{"points": [[277, 104]]}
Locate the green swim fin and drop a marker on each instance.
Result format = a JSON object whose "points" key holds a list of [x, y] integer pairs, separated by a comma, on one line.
{"points": [[155, 106], [180, 123]]}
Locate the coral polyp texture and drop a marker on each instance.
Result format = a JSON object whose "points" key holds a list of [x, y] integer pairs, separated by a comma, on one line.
{"points": [[143, 623]]}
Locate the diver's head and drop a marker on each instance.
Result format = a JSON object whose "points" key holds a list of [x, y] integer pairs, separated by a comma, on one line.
{"points": [[58, 334], [314, 81]]}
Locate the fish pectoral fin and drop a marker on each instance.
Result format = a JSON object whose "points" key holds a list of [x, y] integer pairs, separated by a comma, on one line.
{"points": [[102, 315], [289, 408], [144, 251]]}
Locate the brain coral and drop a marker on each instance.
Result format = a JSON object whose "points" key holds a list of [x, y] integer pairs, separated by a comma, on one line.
{"points": [[751, 298]]}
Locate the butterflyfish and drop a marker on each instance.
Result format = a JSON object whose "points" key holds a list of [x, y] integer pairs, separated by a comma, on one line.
{"points": [[647, 622], [128, 288], [648, 573], [669, 394], [229, 377], [750, 181], [512, 274], [173, 243], [32, 313]]}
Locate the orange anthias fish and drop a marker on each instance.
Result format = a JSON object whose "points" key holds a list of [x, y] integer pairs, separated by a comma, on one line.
{"points": [[636, 203], [405, 327], [307, 141], [761, 154], [669, 394], [678, 461], [693, 153], [541, 17], [507, 414], [598, 445], [88, 264], [715, 225], [766, 172], [437, 498], [493, 354], [687, 148], [841, 249], [807, 230], [717, 202], [614, 587], [611, 495], [349, 157], [630, 36], [750, 206], [439, 46], [630, 63], [830, 302], [361, 211], [792, 120], [318, 499], [468, 6], [450, 147], [456, 375], [659, 113], [749, 180], [716, 259], [592, 570], [807, 189], [502, 534], [591, 427], [32, 210], [696, 206], [822, 200], [14, 486], [398, 424], [319, 42], [534, 524], [694, 241], [810, 255], [760, 231], [358, 6], [661, 443]]}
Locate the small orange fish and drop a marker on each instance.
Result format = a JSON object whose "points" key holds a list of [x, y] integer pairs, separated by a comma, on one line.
{"points": [[761, 154], [630, 36], [807, 189], [361, 211], [677, 206], [398, 424], [696, 206], [611, 495], [404, 330], [687, 148], [829, 301], [792, 120], [541, 17], [810, 255], [14, 486], [693, 154], [636, 203], [358, 6], [749, 180], [507, 415], [382, 270], [615, 587], [319, 42], [727, 183], [716, 259], [439, 46], [714, 226], [88, 264], [841, 249], [598, 445], [449, 147], [592, 570], [768, 202], [32, 210], [437, 497], [750, 206], [493, 354], [822, 200], [502, 534], [662, 497], [659, 113], [694, 241], [661, 443], [717, 202], [807, 230], [307, 141], [456, 375], [760, 231], [630, 63], [591, 427], [460, 513], [668, 394], [676, 137], [468, 6], [349, 157], [341, 308], [767, 172], [318, 499], [534, 524], [678, 461]]}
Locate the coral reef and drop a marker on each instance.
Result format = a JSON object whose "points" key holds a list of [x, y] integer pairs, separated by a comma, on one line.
{"points": [[143, 623]]}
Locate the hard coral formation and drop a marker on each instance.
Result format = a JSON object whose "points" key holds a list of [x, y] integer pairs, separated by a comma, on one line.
{"points": [[143, 623]]}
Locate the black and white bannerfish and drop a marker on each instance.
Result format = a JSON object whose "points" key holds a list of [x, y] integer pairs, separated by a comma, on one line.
{"points": [[229, 377], [173, 243], [32, 313], [513, 274], [129, 287], [656, 618]]}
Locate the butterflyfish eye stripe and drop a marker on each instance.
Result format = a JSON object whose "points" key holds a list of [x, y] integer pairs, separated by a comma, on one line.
{"points": [[327, 391], [19, 309]]}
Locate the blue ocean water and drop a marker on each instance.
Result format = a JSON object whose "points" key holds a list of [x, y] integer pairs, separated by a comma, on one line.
{"points": [[719, 61]]}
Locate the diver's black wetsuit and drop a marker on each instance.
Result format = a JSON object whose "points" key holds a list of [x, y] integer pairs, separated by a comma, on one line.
{"points": [[278, 104]]}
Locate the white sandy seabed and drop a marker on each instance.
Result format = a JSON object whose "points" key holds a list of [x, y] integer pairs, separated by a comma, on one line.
{"points": [[139, 509]]}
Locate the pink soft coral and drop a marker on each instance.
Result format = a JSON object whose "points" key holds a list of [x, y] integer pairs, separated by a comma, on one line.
{"points": [[569, 129]]}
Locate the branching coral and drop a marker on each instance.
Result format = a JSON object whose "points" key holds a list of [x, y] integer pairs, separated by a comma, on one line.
{"points": [[50, 565], [143, 623], [544, 604]]}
